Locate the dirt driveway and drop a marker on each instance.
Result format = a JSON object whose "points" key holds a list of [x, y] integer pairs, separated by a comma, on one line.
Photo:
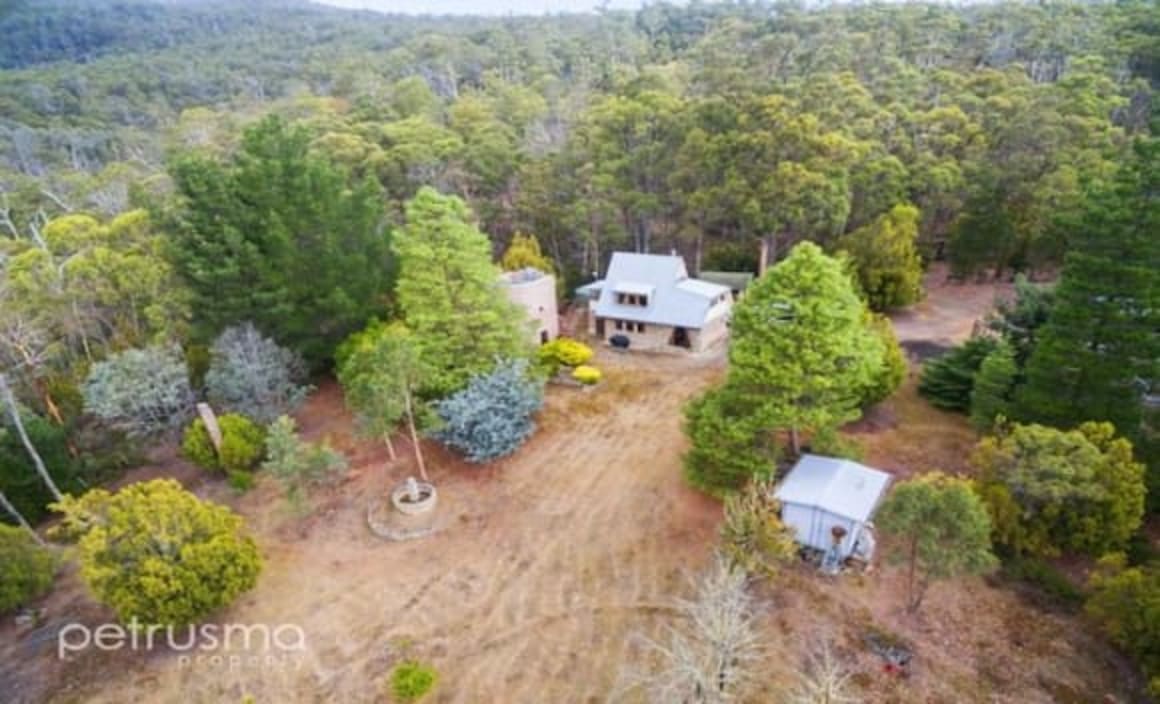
{"points": [[947, 314]]}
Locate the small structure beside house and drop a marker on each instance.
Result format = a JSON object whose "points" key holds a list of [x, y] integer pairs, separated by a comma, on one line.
{"points": [[737, 281], [535, 292], [651, 301], [829, 502]]}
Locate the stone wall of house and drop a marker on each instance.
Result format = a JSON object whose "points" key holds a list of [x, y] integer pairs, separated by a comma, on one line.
{"points": [[714, 332], [653, 337]]}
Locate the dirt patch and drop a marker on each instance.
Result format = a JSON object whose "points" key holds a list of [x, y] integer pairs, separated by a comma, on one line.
{"points": [[948, 314]]}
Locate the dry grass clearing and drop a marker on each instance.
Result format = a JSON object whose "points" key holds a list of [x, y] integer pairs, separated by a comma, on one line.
{"points": [[548, 562]]}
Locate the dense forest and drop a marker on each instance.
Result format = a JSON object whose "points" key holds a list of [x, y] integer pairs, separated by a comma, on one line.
{"points": [[702, 128]]}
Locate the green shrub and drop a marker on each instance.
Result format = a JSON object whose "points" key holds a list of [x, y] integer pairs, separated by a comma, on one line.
{"points": [[298, 464], [18, 478], [1126, 602], [26, 569], [892, 372], [141, 392], [493, 416], [728, 445], [243, 445], [566, 352], [412, 680], [1051, 491], [586, 375], [197, 447], [831, 443], [753, 536], [947, 381], [197, 360], [157, 554], [1045, 578], [240, 482]]}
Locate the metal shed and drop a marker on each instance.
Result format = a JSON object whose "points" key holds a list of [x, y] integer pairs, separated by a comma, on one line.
{"points": [[821, 493]]}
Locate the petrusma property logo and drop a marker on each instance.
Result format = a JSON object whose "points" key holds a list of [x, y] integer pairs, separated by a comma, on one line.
{"points": [[234, 645]]}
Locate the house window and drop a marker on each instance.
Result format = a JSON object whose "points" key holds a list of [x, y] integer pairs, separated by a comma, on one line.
{"points": [[640, 327], [632, 299], [620, 325]]}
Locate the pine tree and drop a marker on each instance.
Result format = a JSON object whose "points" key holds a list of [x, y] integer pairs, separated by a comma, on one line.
{"points": [[1100, 350], [450, 295], [947, 381], [802, 354], [281, 237], [993, 385], [1019, 321]]}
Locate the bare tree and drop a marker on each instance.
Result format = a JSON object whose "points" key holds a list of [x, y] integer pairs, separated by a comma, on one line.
{"points": [[710, 658], [10, 401], [11, 510], [823, 680], [25, 347]]}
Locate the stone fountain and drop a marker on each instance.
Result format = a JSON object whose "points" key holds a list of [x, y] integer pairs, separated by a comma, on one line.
{"points": [[414, 497]]}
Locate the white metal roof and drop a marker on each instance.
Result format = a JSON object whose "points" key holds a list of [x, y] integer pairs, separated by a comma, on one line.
{"points": [[633, 287], [702, 288], [675, 299], [842, 487]]}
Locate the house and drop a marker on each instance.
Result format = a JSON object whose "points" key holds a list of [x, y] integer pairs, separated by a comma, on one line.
{"points": [[823, 493], [535, 292], [650, 300]]}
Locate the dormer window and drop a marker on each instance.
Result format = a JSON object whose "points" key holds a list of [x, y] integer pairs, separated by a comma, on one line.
{"points": [[632, 299]]}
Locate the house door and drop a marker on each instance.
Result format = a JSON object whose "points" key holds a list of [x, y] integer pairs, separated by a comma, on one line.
{"points": [[543, 337], [680, 337], [600, 328]]}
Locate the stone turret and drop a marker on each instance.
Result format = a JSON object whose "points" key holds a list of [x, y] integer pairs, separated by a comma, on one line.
{"points": [[535, 292]]}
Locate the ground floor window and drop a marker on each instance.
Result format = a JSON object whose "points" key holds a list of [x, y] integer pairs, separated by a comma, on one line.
{"points": [[629, 325]]}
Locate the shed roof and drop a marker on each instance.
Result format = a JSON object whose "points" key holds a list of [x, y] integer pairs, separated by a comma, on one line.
{"points": [[842, 487], [675, 299], [736, 280], [589, 290]]}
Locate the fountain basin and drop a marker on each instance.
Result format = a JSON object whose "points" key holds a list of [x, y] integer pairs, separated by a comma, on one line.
{"points": [[414, 497]]}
